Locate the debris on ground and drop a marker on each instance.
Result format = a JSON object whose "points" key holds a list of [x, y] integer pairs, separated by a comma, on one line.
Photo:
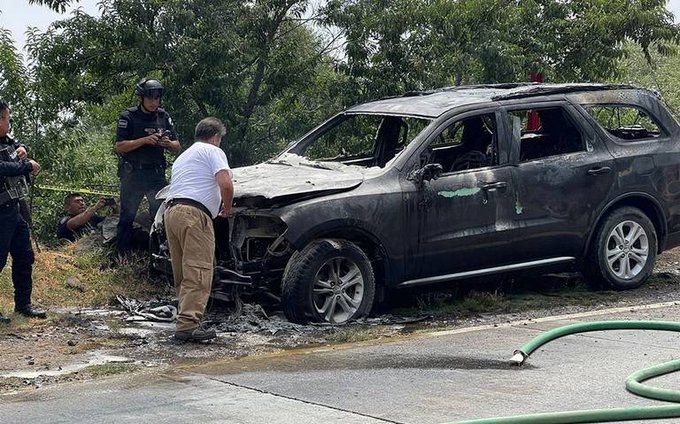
{"points": [[252, 318], [386, 319], [152, 310]]}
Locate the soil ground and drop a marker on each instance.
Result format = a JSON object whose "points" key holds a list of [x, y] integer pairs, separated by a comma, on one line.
{"points": [[77, 344]]}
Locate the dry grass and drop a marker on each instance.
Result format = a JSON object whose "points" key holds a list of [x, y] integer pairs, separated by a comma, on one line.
{"points": [[94, 281]]}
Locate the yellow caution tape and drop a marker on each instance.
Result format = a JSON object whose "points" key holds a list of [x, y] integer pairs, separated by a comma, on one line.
{"points": [[79, 190]]}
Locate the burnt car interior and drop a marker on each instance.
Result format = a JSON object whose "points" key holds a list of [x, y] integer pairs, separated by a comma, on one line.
{"points": [[545, 132], [466, 144], [625, 122]]}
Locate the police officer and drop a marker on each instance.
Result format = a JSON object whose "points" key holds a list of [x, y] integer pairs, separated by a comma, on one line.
{"points": [[143, 134], [14, 234]]}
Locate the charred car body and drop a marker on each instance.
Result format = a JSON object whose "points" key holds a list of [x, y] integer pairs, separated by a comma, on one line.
{"points": [[439, 186]]}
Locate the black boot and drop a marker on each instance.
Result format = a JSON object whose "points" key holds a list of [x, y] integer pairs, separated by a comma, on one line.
{"points": [[4, 319], [29, 311]]}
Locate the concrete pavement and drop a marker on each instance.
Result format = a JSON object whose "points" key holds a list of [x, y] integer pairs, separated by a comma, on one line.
{"points": [[434, 378]]}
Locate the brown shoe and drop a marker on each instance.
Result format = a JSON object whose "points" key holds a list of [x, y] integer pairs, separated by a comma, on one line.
{"points": [[197, 334]]}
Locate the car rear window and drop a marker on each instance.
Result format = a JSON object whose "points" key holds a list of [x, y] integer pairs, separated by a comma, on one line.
{"points": [[625, 122], [544, 132]]}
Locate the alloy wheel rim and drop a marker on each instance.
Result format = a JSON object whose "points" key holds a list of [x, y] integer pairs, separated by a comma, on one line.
{"points": [[338, 290], [627, 250]]}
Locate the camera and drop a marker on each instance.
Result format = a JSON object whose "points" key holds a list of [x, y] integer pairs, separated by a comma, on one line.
{"points": [[109, 201]]}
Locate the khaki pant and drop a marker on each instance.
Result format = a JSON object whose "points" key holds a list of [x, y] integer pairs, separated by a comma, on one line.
{"points": [[191, 239]]}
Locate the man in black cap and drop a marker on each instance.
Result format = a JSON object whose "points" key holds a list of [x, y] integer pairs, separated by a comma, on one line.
{"points": [[144, 132], [14, 233]]}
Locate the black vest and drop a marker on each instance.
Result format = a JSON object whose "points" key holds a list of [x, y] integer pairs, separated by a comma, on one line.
{"points": [[134, 123], [12, 188]]}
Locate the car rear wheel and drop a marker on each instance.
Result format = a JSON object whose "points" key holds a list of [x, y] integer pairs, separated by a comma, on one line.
{"points": [[624, 250], [329, 280]]}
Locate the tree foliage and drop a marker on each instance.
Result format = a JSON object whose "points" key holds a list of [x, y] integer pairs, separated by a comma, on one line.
{"points": [[226, 58], [430, 43], [57, 5]]}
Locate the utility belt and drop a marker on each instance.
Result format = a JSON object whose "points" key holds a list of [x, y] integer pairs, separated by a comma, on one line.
{"points": [[188, 202], [6, 202], [128, 166], [13, 188]]}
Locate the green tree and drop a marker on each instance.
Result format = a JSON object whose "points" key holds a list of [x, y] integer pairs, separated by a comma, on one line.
{"points": [[57, 5], [229, 59], [397, 45], [657, 72]]}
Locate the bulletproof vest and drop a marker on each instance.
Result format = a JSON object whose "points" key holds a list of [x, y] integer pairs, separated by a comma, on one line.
{"points": [[142, 124], [11, 188]]}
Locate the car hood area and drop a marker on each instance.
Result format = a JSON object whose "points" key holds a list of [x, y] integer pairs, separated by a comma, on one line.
{"points": [[289, 178]]}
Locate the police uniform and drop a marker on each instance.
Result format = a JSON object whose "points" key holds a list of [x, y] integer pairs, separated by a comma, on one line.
{"points": [[63, 232], [14, 232], [141, 171]]}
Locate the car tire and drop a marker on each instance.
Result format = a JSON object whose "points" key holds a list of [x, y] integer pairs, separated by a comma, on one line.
{"points": [[623, 251], [329, 280]]}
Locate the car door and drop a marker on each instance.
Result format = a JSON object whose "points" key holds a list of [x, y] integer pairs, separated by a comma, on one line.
{"points": [[457, 222], [564, 177]]}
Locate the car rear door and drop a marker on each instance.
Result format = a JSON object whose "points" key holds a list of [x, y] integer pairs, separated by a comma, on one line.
{"points": [[563, 178]]}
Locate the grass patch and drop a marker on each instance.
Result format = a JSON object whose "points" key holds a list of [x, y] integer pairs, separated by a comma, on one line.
{"points": [[65, 277], [447, 303], [105, 370], [80, 347]]}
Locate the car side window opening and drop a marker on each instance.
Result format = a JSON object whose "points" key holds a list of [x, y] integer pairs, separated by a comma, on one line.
{"points": [[544, 132], [625, 122], [469, 143], [365, 140]]}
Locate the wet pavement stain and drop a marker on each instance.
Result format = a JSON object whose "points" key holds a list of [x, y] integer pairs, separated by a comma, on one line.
{"points": [[329, 362]]}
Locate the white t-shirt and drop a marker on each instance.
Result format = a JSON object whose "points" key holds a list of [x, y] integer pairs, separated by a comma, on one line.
{"points": [[193, 175]]}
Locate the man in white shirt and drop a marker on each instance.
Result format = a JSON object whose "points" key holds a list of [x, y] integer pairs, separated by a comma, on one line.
{"points": [[200, 190]]}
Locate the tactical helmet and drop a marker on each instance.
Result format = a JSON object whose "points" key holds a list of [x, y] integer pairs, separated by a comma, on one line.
{"points": [[149, 88]]}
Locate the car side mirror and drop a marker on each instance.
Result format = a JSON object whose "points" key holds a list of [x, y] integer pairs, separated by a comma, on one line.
{"points": [[429, 172]]}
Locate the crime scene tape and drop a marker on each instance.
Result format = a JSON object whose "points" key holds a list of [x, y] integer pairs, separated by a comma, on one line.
{"points": [[79, 190]]}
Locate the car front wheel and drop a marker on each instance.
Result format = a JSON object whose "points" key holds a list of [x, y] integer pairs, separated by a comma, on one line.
{"points": [[624, 250], [329, 280]]}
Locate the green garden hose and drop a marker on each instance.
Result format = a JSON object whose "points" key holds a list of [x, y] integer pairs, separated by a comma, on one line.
{"points": [[633, 382]]}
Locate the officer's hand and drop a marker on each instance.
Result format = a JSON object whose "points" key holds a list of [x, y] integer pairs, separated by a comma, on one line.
{"points": [[154, 138], [165, 141], [21, 152], [36, 167]]}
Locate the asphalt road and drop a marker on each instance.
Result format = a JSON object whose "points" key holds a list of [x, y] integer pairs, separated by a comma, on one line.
{"points": [[434, 378]]}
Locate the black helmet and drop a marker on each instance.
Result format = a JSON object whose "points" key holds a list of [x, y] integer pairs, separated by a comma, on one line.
{"points": [[149, 88]]}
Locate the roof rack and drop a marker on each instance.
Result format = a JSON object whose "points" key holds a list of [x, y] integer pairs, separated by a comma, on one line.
{"points": [[502, 86], [539, 89], [527, 89]]}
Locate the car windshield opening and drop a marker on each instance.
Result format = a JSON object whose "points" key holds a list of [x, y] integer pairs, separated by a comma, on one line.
{"points": [[363, 140]]}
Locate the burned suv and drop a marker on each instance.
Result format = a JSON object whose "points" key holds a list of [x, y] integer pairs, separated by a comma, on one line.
{"points": [[445, 185]]}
